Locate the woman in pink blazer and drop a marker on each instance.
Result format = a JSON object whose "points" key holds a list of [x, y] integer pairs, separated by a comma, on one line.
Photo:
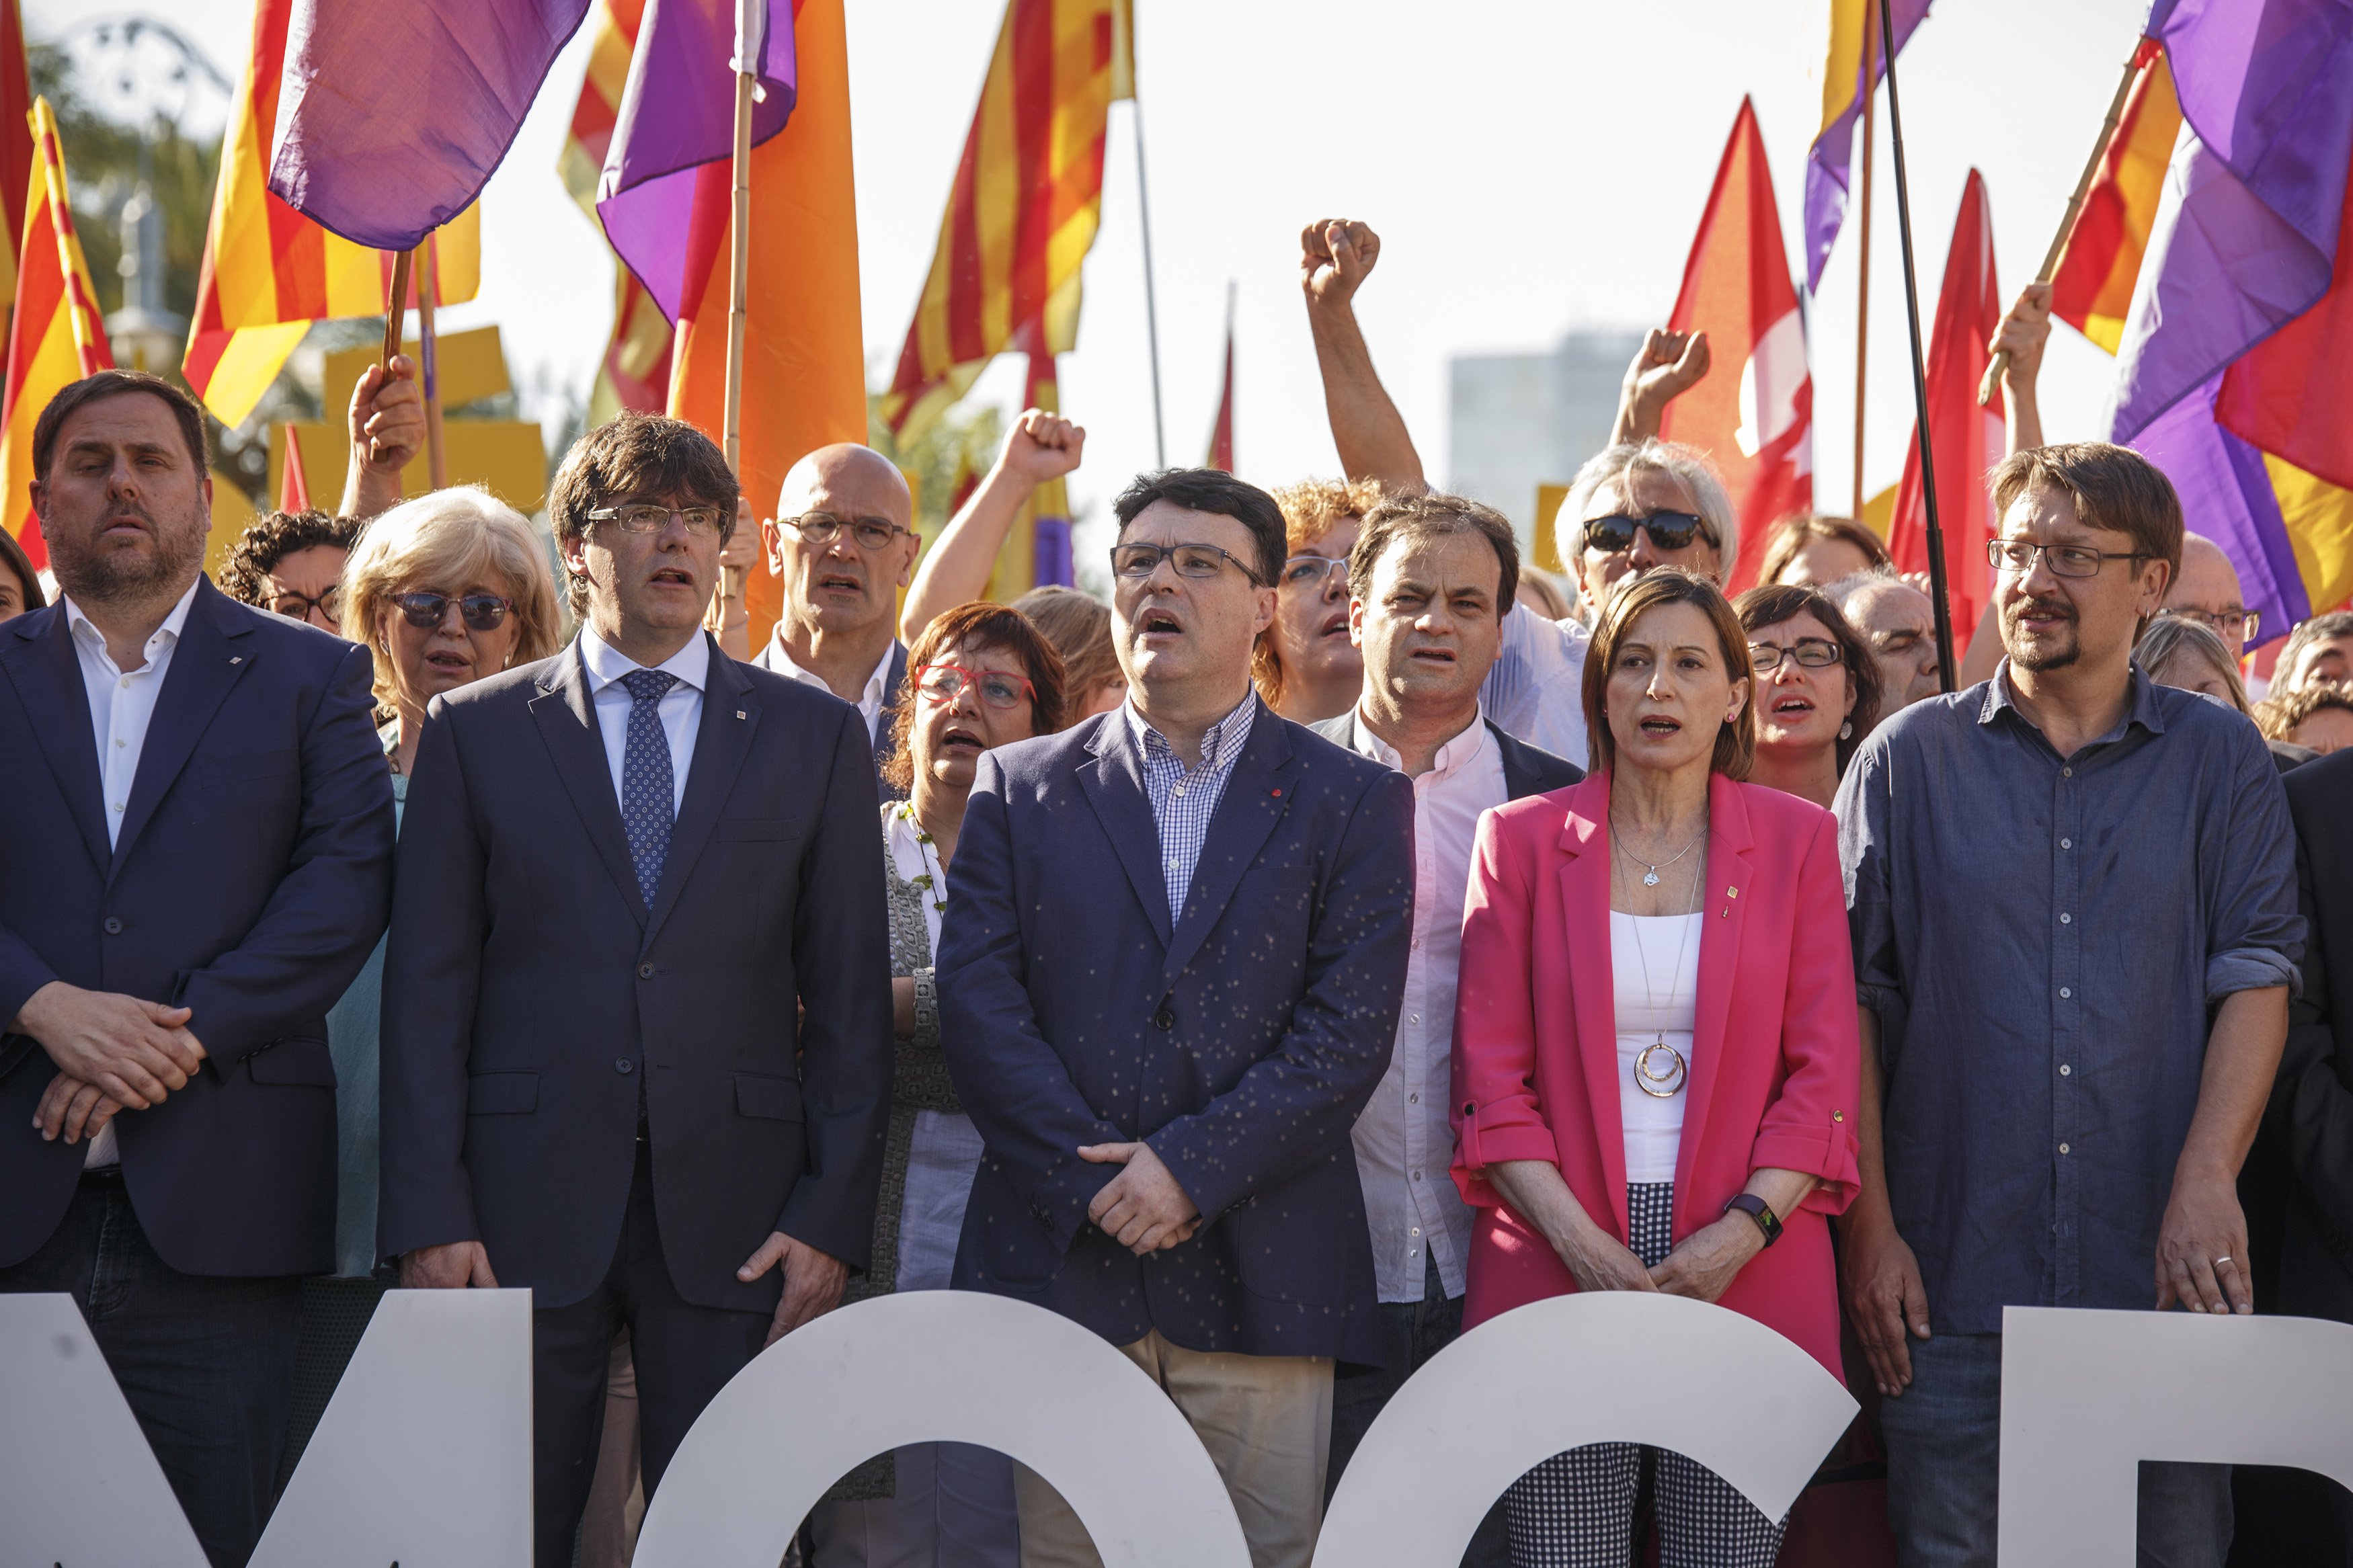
{"points": [[1655, 1050]]}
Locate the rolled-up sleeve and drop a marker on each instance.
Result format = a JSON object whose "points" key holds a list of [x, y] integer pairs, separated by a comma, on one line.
{"points": [[1494, 1109], [2257, 936]]}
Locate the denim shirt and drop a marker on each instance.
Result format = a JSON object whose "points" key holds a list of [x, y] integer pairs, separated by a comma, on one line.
{"points": [[2044, 940]]}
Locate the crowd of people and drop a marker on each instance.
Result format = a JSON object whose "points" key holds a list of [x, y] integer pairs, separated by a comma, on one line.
{"points": [[1346, 935]]}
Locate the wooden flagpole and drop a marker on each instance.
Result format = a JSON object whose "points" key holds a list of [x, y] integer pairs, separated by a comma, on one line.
{"points": [[751, 22], [1862, 253], [396, 309], [429, 279]]}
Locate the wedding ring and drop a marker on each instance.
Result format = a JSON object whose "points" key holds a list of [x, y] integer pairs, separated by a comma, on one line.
{"points": [[2222, 1260]]}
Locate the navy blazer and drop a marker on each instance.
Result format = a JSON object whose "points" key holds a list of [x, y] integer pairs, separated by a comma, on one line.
{"points": [[529, 994], [1242, 1043], [248, 883], [886, 723]]}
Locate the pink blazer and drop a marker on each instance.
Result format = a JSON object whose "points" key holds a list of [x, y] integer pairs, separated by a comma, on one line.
{"points": [[1774, 1051]]}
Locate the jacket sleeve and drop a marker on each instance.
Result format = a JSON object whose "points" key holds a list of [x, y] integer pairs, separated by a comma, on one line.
{"points": [[432, 980], [1494, 1109], [842, 959], [325, 917], [1809, 1125], [1012, 1082], [1297, 1104]]}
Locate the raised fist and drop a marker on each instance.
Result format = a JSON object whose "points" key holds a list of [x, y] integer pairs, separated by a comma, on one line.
{"points": [[1335, 256], [1041, 447]]}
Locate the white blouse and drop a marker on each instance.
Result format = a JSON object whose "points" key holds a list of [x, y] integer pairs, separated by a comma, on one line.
{"points": [[1659, 1005]]}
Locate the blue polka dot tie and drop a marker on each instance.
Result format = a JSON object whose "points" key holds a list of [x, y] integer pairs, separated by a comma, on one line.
{"points": [[647, 785]]}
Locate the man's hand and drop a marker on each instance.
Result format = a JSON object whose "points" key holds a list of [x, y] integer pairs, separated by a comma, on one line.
{"points": [[2202, 1247], [133, 1051], [1884, 1298], [2023, 334], [1335, 256], [1041, 447], [1667, 365], [386, 419], [1144, 1209], [74, 1108], [454, 1266], [813, 1280], [1704, 1265]]}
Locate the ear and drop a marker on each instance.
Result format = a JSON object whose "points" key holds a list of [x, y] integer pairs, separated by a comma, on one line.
{"points": [[1356, 621], [772, 546], [2156, 576], [1265, 618], [1740, 701]]}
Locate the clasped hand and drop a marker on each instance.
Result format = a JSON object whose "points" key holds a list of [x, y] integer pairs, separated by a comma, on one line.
{"points": [[111, 1052], [1144, 1208], [1703, 1266]]}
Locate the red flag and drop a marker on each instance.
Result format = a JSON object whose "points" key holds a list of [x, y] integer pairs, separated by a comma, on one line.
{"points": [[1221, 435], [2291, 395], [1757, 426], [1969, 439], [293, 484]]}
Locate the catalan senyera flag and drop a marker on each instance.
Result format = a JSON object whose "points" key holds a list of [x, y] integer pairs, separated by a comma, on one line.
{"points": [[16, 140], [56, 336], [2092, 291], [269, 272], [1026, 202]]}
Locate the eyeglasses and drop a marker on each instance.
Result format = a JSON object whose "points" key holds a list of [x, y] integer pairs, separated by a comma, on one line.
{"points": [[297, 606], [1668, 531], [1196, 560], [944, 683], [2235, 627], [1301, 569], [872, 533], [482, 612], [647, 518], [1807, 653], [2016, 556]]}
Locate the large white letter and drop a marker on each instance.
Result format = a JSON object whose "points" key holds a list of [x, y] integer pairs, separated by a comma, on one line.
{"points": [[2085, 1396]]}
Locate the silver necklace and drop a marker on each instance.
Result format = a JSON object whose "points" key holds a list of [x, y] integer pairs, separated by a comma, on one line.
{"points": [[1662, 1080], [1651, 872]]}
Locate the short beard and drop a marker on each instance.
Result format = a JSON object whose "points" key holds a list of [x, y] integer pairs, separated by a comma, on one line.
{"points": [[100, 576], [2068, 649]]}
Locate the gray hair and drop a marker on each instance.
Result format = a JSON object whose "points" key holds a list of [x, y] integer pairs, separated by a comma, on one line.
{"points": [[2169, 637], [1686, 464], [1852, 586], [2319, 629]]}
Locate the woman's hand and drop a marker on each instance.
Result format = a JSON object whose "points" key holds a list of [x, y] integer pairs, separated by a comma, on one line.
{"points": [[1704, 1264], [1600, 1261]]}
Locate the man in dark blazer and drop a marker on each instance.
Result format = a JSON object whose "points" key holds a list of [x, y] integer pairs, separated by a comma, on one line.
{"points": [[637, 1029], [195, 863], [1430, 582], [1175, 940]]}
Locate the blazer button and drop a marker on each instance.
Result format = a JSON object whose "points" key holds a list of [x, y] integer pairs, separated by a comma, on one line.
{"points": [[645, 972], [1166, 1018], [624, 1065], [113, 926]]}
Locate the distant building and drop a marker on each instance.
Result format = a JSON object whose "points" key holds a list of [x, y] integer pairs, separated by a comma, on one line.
{"points": [[1522, 420]]}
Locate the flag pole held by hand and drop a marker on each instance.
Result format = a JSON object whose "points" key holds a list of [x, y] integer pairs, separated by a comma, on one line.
{"points": [[2142, 54], [751, 27], [395, 310], [428, 278]]}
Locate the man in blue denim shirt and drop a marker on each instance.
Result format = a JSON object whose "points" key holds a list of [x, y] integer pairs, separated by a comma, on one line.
{"points": [[2073, 900]]}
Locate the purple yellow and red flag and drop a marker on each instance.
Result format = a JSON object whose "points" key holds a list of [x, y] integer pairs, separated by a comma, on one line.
{"points": [[269, 272], [1025, 206], [634, 373], [54, 337], [2091, 290]]}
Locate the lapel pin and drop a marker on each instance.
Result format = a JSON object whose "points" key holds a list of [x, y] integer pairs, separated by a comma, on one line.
{"points": [[1731, 892], [236, 659], [1276, 794], [740, 714]]}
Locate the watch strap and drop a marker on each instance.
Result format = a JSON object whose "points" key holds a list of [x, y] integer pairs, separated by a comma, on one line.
{"points": [[1758, 1209]]}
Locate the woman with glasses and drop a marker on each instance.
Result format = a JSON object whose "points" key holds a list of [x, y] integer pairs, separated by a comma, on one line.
{"points": [[982, 675], [1661, 936], [1304, 665], [291, 563], [1817, 690]]}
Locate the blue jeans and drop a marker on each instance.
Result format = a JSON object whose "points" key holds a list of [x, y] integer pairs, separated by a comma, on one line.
{"points": [[206, 1364], [1944, 1469]]}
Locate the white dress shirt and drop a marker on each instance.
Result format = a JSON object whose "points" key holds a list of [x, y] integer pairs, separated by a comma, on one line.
{"points": [[870, 696], [680, 709], [1535, 692], [1405, 1143], [121, 706]]}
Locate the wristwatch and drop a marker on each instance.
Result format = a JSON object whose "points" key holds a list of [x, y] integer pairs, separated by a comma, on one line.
{"points": [[1760, 1211]]}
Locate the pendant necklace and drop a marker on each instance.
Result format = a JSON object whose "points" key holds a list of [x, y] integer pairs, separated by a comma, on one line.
{"points": [[1662, 1079], [1651, 872]]}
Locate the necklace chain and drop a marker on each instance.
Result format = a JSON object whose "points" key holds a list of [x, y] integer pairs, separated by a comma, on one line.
{"points": [[1651, 871], [934, 879], [1678, 1070]]}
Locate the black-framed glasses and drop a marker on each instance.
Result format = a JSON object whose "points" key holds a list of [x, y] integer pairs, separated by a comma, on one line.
{"points": [[1303, 570], [297, 606], [480, 612], [1195, 560], [2016, 557], [644, 517], [1807, 653], [2237, 628], [944, 683], [1668, 531], [821, 527]]}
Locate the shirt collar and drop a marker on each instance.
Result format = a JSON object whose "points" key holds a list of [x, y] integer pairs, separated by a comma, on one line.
{"points": [[1452, 758], [2143, 709], [606, 664], [873, 691], [82, 626], [1220, 744]]}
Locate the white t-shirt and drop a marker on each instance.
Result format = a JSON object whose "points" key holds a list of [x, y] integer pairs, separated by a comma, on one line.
{"points": [[1654, 967]]}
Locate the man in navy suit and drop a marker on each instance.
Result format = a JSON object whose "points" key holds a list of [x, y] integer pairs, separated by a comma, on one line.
{"points": [[637, 1025], [195, 863], [1168, 982]]}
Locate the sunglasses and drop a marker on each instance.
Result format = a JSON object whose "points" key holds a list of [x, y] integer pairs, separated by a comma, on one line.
{"points": [[1668, 531], [944, 683], [482, 612]]}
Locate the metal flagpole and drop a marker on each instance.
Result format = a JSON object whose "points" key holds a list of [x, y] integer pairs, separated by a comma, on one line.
{"points": [[751, 24], [1862, 253]]}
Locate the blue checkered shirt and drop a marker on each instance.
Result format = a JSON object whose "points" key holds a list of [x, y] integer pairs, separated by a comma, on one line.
{"points": [[1182, 802]]}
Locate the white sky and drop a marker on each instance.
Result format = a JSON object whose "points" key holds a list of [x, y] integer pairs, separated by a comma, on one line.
{"points": [[1532, 166]]}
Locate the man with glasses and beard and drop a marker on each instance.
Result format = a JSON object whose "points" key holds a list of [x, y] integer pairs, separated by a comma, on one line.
{"points": [[1169, 979], [197, 862], [2073, 907]]}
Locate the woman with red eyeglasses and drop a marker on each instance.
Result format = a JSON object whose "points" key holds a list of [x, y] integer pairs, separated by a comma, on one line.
{"points": [[981, 676]]}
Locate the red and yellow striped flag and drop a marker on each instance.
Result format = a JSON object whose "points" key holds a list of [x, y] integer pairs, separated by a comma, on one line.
{"points": [[1026, 202], [2093, 289], [16, 140], [56, 336], [269, 272]]}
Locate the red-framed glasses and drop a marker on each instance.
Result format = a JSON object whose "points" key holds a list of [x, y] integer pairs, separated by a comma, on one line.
{"points": [[946, 682]]}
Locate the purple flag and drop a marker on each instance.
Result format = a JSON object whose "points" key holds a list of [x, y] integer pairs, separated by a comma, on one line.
{"points": [[677, 114], [2226, 495], [1828, 160], [392, 116]]}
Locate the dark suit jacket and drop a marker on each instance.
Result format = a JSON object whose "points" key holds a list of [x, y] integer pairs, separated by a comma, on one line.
{"points": [[2310, 1119], [248, 883], [1528, 770], [529, 993], [1240, 1044], [894, 690]]}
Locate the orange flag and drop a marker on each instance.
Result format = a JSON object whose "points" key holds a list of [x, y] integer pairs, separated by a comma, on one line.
{"points": [[1758, 423], [56, 336]]}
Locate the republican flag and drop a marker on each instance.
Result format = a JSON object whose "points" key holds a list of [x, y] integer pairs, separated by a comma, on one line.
{"points": [[1026, 202], [1968, 439], [634, 371], [2092, 291], [1759, 425], [54, 337], [16, 140], [1846, 80], [268, 272]]}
